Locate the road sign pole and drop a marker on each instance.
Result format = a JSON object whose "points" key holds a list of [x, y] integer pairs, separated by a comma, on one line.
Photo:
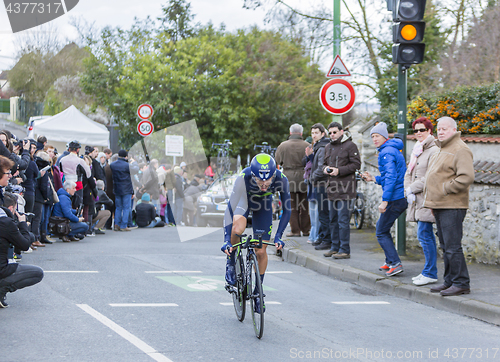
{"points": [[402, 90], [145, 150], [337, 32], [336, 28]]}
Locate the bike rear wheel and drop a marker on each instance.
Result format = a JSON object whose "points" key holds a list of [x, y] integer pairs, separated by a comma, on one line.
{"points": [[255, 291], [359, 211], [221, 163], [239, 297]]}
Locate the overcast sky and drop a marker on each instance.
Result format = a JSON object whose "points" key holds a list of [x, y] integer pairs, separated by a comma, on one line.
{"points": [[122, 12]]}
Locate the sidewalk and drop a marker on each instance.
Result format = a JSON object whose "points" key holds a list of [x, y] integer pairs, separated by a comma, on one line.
{"points": [[362, 268]]}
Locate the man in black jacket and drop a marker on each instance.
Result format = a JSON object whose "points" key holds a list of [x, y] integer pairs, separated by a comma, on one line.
{"points": [[145, 214], [318, 180], [12, 275], [103, 204], [340, 164], [123, 189]]}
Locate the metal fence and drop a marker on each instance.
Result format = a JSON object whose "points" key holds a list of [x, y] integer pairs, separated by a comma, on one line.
{"points": [[29, 109], [4, 105]]}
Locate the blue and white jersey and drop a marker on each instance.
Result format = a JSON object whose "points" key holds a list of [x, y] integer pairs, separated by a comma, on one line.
{"points": [[247, 196]]}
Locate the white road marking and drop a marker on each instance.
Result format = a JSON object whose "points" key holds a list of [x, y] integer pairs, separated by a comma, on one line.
{"points": [[150, 351], [172, 271], [279, 272], [361, 303], [143, 305], [71, 271], [266, 302]]}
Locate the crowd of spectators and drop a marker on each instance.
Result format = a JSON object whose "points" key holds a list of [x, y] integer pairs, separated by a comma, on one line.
{"points": [[434, 186], [46, 196]]}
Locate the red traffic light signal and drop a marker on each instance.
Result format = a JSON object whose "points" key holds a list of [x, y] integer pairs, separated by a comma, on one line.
{"points": [[409, 10]]}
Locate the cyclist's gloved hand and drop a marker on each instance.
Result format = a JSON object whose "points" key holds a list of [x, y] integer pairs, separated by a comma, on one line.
{"points": [[226, 247], [279, 243]]}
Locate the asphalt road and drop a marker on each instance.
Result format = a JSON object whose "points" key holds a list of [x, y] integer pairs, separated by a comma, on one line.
{"points": [[147, 296]]}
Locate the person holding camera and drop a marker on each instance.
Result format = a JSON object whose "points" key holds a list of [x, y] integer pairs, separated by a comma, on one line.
{"points": [[340, 164], [13, 276], [392, 167]]}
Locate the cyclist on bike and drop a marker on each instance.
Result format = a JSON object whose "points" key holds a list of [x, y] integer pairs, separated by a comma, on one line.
{"points": [[253, 191]]}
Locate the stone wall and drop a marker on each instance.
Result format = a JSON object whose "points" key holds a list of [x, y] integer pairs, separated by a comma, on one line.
{"points": [[481, 239]]}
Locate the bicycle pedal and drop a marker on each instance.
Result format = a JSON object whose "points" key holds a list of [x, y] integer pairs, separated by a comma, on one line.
{"points": [[230, 288]]}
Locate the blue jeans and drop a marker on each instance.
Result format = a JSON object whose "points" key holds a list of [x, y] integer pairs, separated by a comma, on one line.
{"points": [[178, 208], [426, 237], [323, 214], [157, 205], [313, 215], [78, 228], [449, 224], [46, 211], [340, 215], [169, 215], [383, 231], [123, 208], [154, 222]]}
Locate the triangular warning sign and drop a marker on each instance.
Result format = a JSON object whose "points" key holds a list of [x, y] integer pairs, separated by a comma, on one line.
{"points": [[338, 69]]}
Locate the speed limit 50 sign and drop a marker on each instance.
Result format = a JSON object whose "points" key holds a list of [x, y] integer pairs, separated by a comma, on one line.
{"points": [[337, 96], [145, 128]]}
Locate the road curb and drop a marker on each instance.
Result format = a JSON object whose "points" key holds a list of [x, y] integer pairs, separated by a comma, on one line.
{"points": [[460, 305]]}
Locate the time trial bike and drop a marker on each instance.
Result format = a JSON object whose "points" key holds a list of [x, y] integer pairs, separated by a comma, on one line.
{"points": [[248, 284]]}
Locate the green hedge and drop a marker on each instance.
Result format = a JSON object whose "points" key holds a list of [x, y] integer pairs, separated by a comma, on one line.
{"points": [[476, 109]]}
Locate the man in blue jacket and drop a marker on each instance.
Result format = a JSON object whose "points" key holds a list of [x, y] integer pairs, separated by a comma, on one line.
{"points": [[63, 209], [123, 189], [392, 167]]}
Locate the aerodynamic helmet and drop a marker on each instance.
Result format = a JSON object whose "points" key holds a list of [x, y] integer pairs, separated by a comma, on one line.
{"points": [[263, 166]]}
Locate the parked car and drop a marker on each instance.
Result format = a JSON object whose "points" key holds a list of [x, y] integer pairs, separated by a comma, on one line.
{"points": [[212, 204]]}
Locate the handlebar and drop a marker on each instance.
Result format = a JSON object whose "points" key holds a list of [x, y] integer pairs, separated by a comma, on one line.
{"points": [[250, 243], [226, 144]]}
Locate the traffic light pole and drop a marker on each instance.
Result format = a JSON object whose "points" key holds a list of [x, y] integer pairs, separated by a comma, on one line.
{"points": [[337, 32], [402, 129]]}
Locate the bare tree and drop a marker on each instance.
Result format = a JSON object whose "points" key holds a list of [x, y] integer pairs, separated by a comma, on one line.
{"points": [[88, 33], [477, 59], [460, 14], [364, 31], [44, 40]]}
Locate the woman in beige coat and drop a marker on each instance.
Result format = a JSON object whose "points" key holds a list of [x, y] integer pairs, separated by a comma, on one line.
{"points": [[414, 184]]}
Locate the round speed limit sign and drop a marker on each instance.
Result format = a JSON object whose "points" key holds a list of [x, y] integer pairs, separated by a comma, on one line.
{"points": [[145, 128], [337, 96], [145, 111]]}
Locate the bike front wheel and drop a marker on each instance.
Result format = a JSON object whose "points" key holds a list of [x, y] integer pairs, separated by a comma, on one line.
{"points": [[359, 211], [239, 297], [256, 296]]}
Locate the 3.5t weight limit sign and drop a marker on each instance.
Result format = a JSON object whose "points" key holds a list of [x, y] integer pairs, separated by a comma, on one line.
{"points": [[145, 128], [337, 96]]}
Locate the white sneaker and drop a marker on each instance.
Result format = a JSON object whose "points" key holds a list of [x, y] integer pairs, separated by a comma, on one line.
{"points": [[417, 277], [423, 280], [28, 251]]}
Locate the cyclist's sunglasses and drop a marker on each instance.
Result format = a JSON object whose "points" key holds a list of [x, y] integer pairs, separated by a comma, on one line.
{"points": [[265, 183]]}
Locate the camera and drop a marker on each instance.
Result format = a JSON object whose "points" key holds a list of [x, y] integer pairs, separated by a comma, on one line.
{"points": [[329, 170]]}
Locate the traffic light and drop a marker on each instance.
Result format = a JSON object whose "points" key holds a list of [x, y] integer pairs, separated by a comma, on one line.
{"points": [[408, 31]]}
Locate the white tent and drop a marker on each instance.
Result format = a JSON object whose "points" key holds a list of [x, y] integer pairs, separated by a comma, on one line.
{"points": [[71, 124]]}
